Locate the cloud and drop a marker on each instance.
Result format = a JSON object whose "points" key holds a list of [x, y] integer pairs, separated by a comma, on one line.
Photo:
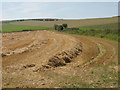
{"points": [[22, 7], [18, 10], [23, 10], [30, 7]]}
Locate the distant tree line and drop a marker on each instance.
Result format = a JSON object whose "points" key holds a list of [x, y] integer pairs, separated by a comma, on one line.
{"points": [[29, 20], [45, 19]]}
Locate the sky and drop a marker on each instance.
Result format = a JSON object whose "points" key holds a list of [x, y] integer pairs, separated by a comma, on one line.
{"points": [[60, 0], [60, 10]]}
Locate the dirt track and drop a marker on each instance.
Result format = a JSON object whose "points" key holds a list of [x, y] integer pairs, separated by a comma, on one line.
{"points": [[39, 58]]}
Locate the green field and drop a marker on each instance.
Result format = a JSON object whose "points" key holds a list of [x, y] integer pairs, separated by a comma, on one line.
{"points": [[108, 31], [6, 27], [111, 26]]}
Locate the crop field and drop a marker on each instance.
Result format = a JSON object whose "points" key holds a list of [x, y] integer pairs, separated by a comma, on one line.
{"points": [[102, 28], [71, 23], [108, 31], [17, 28], [86, 57], [110, 26]]}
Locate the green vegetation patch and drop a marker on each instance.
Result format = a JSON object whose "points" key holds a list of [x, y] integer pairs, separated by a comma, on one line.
{"points": [[17, 28], [108, 31], [111, 26]]}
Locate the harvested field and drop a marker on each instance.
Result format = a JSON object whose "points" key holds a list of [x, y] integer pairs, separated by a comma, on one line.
{"points": [[47, 59], [71, 23]]}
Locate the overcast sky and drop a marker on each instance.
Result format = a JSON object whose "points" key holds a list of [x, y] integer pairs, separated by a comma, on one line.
{"points": [[64, 10]]}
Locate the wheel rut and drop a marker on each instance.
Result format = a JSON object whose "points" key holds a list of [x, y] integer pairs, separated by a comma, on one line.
{"points": [[51, 52]]}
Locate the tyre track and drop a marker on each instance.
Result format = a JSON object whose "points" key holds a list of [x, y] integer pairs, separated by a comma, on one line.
{"points": [[59, 53]]}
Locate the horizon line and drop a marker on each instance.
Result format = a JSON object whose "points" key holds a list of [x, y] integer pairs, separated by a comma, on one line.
{"points": [[60, 18]]}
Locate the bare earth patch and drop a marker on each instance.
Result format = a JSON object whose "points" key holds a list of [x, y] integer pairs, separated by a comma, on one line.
{"points": [[46, 59]]}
